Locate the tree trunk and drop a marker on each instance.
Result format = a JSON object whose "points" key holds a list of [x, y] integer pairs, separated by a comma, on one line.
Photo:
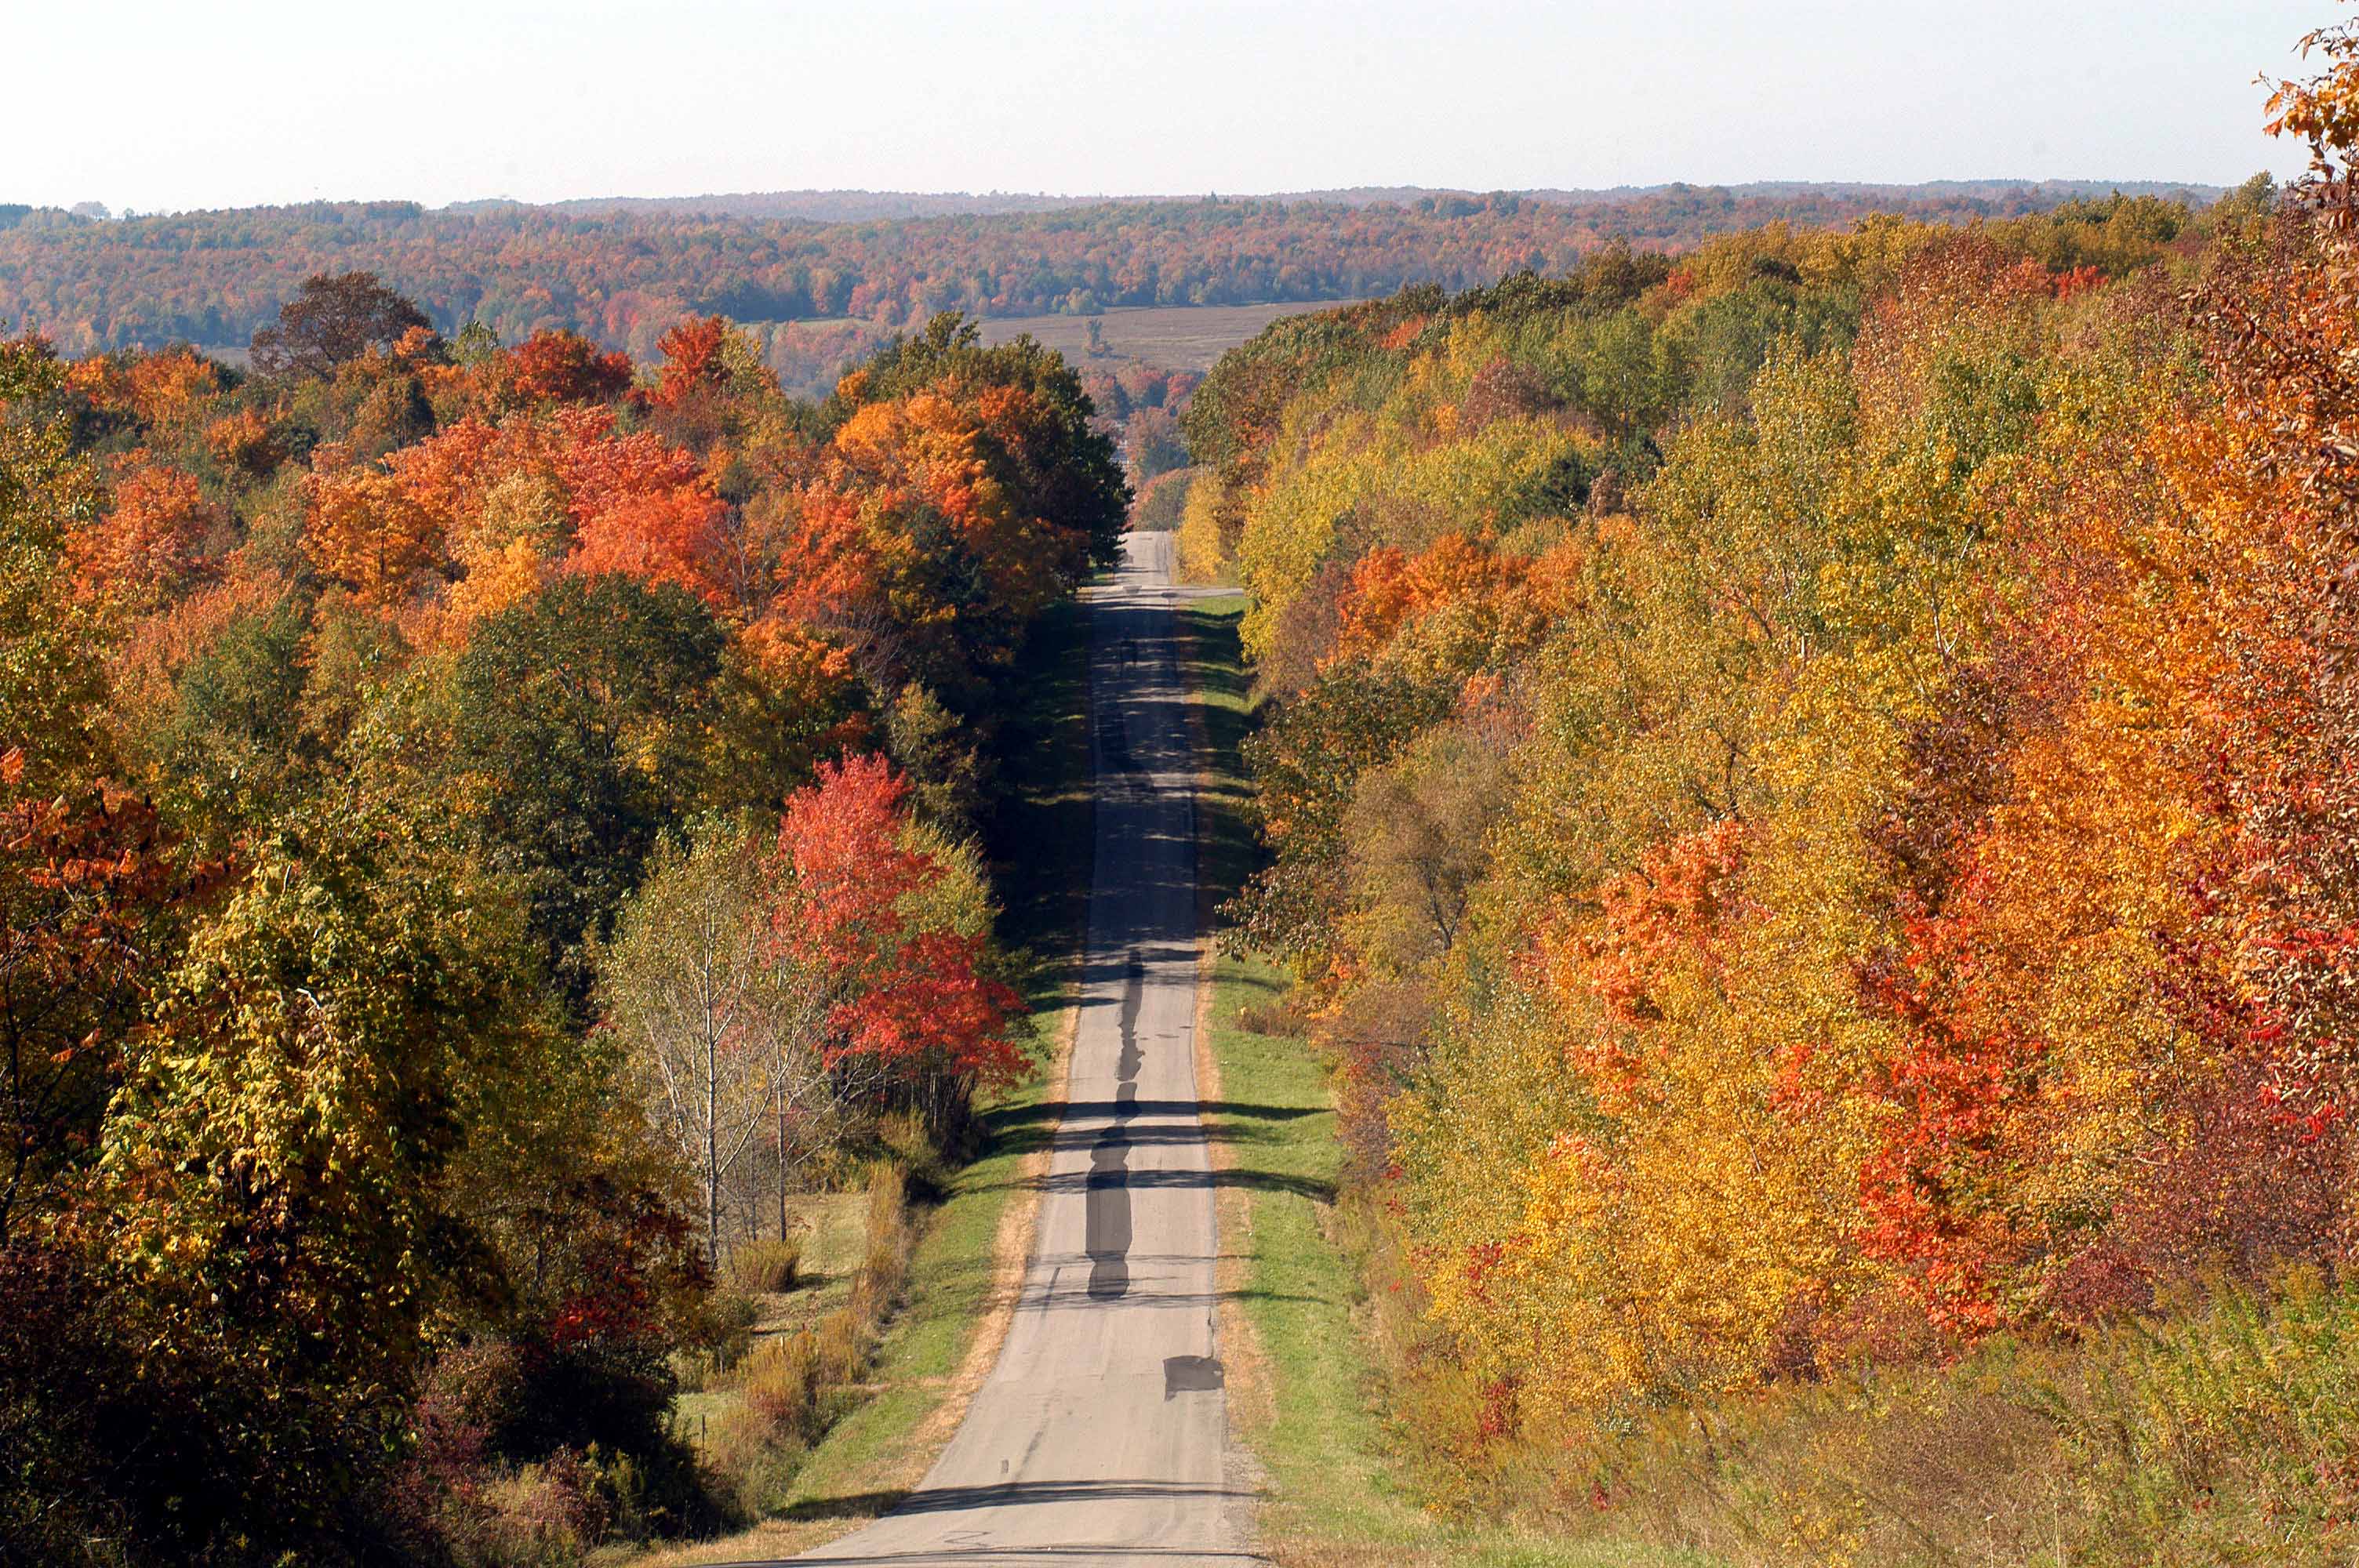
{"points": [[711, 1154]]}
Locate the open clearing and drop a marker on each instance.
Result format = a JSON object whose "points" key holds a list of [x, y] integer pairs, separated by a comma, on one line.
{"points": [[1175, 337]]}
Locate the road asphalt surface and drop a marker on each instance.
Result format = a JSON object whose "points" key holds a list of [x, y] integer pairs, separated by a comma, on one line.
{"points": [[1101, 1435]]}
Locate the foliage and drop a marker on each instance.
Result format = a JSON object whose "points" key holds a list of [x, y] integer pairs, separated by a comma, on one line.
{"points": [[374, 729], [335, 317], [625, 274], [1805, 789]]}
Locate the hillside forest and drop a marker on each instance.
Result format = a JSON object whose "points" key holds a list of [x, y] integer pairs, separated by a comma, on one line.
{"points": [[1809, 794], [479, 824]]}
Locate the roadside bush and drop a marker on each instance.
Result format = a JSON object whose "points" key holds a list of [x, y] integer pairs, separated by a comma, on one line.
{"points": [[2194, 1437], [714, 1338], [749, 1463], [789, 1384], [885, 1265], [781, 1382], [767, 1267], [548, 1515], [914, 1147], [754, 1447], [2224, 1429], [470, 1394], [844, 1343], [524, 1416]]}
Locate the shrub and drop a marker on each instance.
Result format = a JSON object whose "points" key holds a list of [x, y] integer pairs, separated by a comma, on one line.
{"points": [[888, 1200], [885, 1266], [914, 1145], [715, 1336], [845, 1341], [753, 1449], [469, 1396], [781, 1380], [750, 1461], [767, 1267], [2190, 1437], [548, 1514]]}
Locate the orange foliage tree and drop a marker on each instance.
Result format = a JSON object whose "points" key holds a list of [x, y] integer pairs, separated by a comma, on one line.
{"points": [[912, 997]]}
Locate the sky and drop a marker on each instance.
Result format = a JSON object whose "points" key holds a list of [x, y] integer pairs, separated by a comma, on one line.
{"points": [[160, 106]]}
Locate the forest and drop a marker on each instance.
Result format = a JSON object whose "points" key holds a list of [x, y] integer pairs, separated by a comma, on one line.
{"points": [[624, 274], [1810, 800], [483, 823], [1798, 743]]}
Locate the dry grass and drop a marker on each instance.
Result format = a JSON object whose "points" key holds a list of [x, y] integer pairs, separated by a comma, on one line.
{"points": [[1248, 1384], [1011, 1255], [2224, 1431], [768, 1267]]}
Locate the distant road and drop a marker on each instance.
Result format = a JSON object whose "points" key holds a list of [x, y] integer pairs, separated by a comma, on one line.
{"points": [[1101, 1435]]}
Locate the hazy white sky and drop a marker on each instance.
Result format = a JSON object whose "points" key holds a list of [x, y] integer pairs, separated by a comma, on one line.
{"points": [[188, 103]]}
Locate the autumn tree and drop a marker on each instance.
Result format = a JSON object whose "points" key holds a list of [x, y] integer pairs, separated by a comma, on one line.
{"points": [[1306, 765], [335, 317], [901, 934], [550, 367], [725, 1039], [1044, 450], [2279, 334], [364, 530], [275, 1168], [147, 545], [1155, 446]]}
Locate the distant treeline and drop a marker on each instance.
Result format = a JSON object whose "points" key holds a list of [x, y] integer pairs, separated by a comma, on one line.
{"points": [[624, 271]]}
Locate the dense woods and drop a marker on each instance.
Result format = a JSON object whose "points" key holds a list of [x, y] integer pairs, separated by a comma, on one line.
{"points": [[482, 821], [1808, 793]]}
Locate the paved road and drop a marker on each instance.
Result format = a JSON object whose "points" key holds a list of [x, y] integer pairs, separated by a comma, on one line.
{"points": [[1101, 1436]]}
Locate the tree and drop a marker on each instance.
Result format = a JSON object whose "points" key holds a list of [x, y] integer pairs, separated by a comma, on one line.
{"points": [[85, 888], [1155, 446], [276, 1164], [862, 902], [1415, 836], [555, 366], [2280, 336], [583, 723], [335, 317], [1047, 454], [51, 702], [723, 1037], [366, 530], [712, 384], [1306, 764], [242, 446], [145, 547]]}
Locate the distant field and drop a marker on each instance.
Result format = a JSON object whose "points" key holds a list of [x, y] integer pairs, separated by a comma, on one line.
{"points": [[1175, 337]]}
